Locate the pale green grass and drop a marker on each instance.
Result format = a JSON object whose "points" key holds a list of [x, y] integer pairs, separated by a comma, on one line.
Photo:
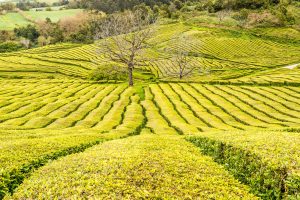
{"points": [[54, 15], [10, 21]]}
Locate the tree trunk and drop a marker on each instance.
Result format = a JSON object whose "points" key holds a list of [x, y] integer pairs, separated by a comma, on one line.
{"points": [[180, 74], [130, 75]]}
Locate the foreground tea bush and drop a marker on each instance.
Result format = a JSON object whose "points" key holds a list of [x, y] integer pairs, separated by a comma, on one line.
{"points": [[146, 166], [35, 148], [268, 161]]}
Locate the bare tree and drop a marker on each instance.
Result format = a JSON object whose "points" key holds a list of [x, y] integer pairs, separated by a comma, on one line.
{"points": [[125, 38], [183, 64], [222, 14], [181, 60]]}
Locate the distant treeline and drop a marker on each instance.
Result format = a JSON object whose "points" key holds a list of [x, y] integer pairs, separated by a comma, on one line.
{"points": [[111, 6], [27, 5], [83, 27]]}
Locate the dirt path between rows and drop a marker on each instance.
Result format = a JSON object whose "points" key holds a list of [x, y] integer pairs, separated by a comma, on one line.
{"points": [[291, 66]]}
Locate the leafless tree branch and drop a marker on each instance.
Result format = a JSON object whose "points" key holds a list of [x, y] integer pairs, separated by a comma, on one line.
{"points": [[124, 38], [181, 59]]}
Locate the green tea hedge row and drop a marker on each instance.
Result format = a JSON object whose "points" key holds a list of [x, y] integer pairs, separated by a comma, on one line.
{"points": [[271, 172], [9, 181], [269, 84], [148, 166]]}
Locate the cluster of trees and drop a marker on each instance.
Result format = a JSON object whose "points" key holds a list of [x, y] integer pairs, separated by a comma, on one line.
{"points": [[22, 5], [7, 7], [111, 6], [80, 28], [26, 5], [277, 15], [8, 43], [251, 12], [217, 5], [173, 8]]}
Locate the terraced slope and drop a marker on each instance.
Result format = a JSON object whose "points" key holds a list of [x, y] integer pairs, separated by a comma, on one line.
{"points": [[218, 55], [58, 61], [222, 54], [51, 105], [284, 74], [44, 120]]}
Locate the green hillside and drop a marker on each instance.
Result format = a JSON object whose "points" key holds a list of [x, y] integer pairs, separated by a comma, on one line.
{"points": [[230, 130], [220, 55]]}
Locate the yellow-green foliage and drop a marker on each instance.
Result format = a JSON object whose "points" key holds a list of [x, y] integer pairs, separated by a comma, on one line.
{"points": [[146, 166], [282, 75], [191, 107], [240, 106], [155, 120], [43, 120], [33, 148], [124, 114], [258, 155]]}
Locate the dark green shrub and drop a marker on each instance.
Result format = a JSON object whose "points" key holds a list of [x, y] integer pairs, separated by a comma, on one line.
{"points": [[9, 46], [109, 72], [29, 32]]}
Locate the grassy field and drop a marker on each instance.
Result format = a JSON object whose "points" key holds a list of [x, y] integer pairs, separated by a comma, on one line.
{"points": [[10, 21], [54, 15], [230, 131]]}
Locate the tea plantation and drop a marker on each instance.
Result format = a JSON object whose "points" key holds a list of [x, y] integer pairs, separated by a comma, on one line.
{"points": [[228, 131]]}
